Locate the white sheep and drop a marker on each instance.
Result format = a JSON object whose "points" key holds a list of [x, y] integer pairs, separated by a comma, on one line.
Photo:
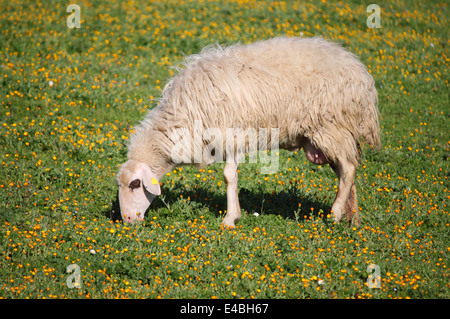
{"points": [[317, 96]]}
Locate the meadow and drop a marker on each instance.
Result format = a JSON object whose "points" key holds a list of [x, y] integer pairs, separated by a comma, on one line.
{"points": [[69, 98]]}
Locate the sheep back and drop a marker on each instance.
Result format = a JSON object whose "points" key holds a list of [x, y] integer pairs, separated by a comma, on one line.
{"points": [[308, 88]]}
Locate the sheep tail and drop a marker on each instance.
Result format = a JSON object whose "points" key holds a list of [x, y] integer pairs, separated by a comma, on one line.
{"points": [[369, 127]]}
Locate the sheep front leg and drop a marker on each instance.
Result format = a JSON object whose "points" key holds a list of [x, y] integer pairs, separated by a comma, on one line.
{"points": [[345, 203], [233, 208]]}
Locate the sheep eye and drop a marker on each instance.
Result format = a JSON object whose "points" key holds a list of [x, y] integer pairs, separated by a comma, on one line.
{"points": [[135, 184]]}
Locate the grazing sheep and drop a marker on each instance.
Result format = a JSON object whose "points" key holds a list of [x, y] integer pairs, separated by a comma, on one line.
{"points": [[317, 95]]}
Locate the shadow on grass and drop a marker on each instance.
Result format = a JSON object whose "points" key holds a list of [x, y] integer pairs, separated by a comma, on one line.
{"points": [[113, 212], [284, 203]]}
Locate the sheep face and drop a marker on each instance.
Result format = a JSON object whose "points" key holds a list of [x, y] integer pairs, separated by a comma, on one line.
{"points": [[138, 186]]}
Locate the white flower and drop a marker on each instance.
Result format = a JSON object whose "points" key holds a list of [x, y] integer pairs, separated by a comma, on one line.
{"points": [[50, 83], [92, 251], [255, 214]]}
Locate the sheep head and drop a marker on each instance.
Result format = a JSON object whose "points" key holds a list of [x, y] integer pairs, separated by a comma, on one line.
{"points": [[138, 186]]}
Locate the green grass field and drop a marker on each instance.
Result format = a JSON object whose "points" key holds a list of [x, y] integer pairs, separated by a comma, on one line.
{"points": [[70, 97]]}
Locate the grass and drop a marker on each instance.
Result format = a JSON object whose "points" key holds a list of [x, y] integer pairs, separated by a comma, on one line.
{"points": [[70, 97]]}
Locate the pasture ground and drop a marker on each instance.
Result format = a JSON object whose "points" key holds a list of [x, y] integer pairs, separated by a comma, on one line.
{"points": [[70, 97]]}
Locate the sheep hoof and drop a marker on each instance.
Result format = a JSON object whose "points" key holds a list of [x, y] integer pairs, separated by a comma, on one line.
{"points": [[353, 218], [337, 216], [356, 221], [227, 223]]}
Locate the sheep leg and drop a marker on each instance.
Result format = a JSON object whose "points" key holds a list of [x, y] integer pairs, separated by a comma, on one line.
{"points": [[345, 203], [352, 207], [233, 208]]}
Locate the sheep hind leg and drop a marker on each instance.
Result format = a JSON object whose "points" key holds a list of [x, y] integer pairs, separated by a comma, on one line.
{"points": [[345, 204], [352, 207], [233, 208]]}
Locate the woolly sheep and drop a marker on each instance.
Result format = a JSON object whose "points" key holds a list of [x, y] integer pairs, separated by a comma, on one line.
{"points": [[316, 94]]}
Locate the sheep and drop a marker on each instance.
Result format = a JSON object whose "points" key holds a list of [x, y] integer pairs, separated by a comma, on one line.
{"points": [[317, 95]]}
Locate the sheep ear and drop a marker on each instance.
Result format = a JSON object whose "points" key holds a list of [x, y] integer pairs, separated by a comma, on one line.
{"points": [[149, 180], [135, 184]]}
